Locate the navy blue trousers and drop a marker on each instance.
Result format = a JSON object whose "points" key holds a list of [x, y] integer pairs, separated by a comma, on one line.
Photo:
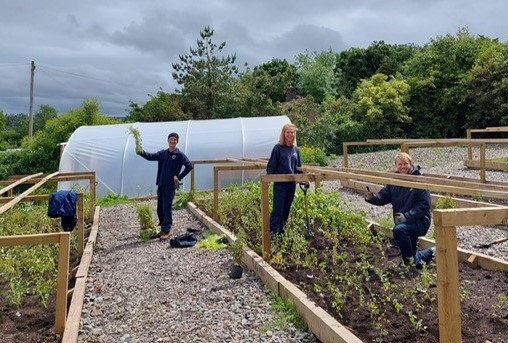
{"points": [[283, 195], [165, 195]]}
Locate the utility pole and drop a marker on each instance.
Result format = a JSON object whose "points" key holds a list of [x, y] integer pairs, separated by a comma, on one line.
{"points": [[31, 123]]}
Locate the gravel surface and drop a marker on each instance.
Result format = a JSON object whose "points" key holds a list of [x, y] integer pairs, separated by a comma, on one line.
{"points": [[149, 292]]}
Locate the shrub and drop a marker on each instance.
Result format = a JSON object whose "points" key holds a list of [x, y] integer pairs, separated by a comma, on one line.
{"points": [[310, 154]]}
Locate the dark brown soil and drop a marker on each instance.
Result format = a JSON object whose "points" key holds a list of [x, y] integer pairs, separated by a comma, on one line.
{"points": [[484, 303], [30, 322]]}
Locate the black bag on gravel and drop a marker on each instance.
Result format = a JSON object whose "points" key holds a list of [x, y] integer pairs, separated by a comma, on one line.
{"points": [[185, 240]]}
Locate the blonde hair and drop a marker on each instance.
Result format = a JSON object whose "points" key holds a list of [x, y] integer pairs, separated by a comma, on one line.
{"points": [[282, 141], [403, 156]]}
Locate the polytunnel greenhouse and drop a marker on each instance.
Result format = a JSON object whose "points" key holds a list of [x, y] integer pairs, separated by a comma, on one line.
{"points": [[109, 150]]}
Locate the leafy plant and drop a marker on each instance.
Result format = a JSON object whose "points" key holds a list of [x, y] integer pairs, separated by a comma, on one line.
{"points": [[286, 313], [137, 138], [147, 226], [238, 245], [445, 202], [212, 241]]}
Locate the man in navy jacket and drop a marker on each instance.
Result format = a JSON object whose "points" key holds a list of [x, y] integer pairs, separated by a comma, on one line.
{"points": [[411, 212], [169, 173]]}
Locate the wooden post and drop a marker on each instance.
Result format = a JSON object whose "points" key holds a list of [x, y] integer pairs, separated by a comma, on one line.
{"points": [[344, 155], [482, 163], [192, 180], [265, 215], [404, 148], [215, 211], [448, 297], [93, 195], [81, 224], [61, 284], [469, 149]]}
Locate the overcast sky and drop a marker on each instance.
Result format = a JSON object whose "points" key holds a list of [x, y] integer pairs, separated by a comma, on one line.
{"points": [[121, 50]]}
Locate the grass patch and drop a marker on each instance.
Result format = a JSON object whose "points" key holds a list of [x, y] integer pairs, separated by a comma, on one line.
{"points": [[286, 315]]}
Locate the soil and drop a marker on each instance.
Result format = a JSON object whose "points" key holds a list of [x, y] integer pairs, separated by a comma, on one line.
{"points": [[484, 313], [31, 322]]}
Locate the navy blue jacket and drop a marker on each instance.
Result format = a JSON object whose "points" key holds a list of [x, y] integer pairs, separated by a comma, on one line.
{"points": [[284, 160], [169, 165], [414, 203]]}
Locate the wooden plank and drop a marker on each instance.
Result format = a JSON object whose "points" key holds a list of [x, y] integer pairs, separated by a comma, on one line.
{"points": [[361, 186], [17, 199], [473, 216], [432, 179], [448, 297], [70, 334], [36, 239], [62, 281], [215, 210], [81, 223], [38, 197], [95, 227], [14, 184], [410, 184], [489, 165], [265, 215]]}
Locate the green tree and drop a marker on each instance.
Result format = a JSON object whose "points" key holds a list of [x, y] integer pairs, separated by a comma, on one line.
{"points": [[241, 99], [488, 88], [3, 121], [380, 103], [16, 128], [203, 74], [303, 112], [438, 75], [41, 153], [162, 107], [316, 74], [274, 78], [356, 64], [44, 113]]}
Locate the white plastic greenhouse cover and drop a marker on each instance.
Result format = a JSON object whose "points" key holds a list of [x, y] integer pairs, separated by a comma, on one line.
{"points": [[109, 150]]}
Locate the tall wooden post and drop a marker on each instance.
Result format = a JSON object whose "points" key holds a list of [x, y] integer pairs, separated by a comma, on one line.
{"points": [[448, 296], [469, 149], [265, 215]]}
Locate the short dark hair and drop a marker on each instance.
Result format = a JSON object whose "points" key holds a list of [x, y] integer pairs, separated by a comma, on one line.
{"points": [[174, 134]]}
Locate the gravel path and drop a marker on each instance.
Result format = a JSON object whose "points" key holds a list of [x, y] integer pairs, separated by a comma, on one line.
{"points": [[148, 292]]}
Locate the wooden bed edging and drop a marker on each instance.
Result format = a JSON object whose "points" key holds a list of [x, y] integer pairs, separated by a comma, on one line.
{"points": [[323, 325], [71, 331]]}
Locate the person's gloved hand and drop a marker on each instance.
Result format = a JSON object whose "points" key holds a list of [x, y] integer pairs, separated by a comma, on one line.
{"points": [[399, 218], [369, 196]]}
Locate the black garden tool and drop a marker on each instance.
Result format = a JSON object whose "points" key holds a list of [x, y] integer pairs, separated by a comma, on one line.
{"points": [[308, 232], [488, 245]]}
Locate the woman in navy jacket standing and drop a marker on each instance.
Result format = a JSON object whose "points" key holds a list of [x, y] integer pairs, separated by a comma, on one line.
{"points": [[284, 159]]}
